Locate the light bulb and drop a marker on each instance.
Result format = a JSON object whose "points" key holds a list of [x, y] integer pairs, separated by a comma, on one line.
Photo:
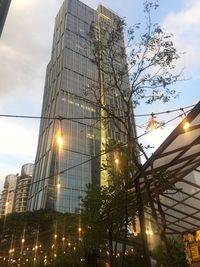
{"points": [[186, 126], [59, 140], [152, 123], [116, 161], [58, 185]]}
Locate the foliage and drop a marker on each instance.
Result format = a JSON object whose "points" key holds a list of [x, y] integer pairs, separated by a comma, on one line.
{"points": [[108, 210], [44, 229], [177, 253]]}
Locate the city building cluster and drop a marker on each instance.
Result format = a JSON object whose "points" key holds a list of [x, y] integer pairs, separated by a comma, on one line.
{"points": [[74, 131], [14, 195]]}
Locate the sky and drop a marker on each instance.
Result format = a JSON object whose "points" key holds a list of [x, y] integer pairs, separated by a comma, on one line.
{"points": [[25, 48]]}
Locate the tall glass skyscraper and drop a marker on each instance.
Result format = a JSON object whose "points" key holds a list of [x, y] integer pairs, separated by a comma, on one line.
{"points": [[60, 177], [4, 7]]}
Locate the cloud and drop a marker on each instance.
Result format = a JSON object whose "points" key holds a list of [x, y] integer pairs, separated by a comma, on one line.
{"points": [[18, 143], [25, 48], [185, 25], [17, 139]]}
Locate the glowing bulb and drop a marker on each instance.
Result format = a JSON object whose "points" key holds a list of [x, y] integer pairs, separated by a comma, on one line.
{"points": [[69, 244], [79, 229], [7, 203], [59, 140], [55, 236], [58, 185], [23, 240], [186, 126], [150, 232], [63, 239], [152, 123], [116, 161]]}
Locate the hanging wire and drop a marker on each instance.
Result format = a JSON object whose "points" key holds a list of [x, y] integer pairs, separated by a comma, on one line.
{"points": [[95, 157], [93, 118]]}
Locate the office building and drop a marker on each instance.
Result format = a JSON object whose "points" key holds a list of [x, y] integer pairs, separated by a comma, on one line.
{"points": [[4, 7], [62, 173], [22, 188], [7, 199]]}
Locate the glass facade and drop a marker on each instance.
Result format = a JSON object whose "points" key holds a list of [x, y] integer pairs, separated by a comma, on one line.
{"points": [[60, 178], [4, 6], [7, 199], [22, 188]]}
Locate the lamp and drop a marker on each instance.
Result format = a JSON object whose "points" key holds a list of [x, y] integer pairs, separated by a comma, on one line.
{"points": [[186, 124]]}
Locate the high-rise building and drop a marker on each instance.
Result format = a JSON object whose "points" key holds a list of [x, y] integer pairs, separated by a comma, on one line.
{"points": [[22, 188], [61, 174], [4, 6], [7, 199]]}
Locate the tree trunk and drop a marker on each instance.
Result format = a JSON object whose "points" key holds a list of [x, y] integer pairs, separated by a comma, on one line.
{"points": [[126, 227], [142, 224], [110, 236], [139, 200]]}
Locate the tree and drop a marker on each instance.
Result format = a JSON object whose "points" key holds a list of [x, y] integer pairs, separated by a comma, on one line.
{"points": [[109, 210], [177, 251], [143, 72], [101, 225], [46, 230]]}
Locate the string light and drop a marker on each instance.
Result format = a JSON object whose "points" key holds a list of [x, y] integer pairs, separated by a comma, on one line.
{"points": [[86, 118], [153, 123], [103, 152], [116, 161], [58, 185], [59, 140], [186, 124]]}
